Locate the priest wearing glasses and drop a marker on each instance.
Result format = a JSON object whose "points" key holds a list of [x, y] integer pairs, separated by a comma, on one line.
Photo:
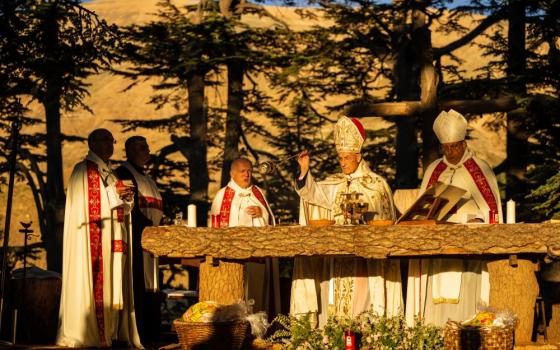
{"points": [[442, 289]]}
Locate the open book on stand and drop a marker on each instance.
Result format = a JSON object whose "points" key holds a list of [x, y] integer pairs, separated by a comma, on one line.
{"points": [[433, 205]]}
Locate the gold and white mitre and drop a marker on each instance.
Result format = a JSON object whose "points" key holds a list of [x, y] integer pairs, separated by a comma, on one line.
{"points": [[349, 135], [450, 126]]}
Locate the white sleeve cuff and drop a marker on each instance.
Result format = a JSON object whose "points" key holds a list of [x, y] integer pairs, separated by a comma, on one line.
{"points": [[114, 200]]}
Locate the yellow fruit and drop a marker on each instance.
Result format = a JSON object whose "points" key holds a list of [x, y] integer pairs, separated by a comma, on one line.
{"points": [[481, 319], [201, 312]]}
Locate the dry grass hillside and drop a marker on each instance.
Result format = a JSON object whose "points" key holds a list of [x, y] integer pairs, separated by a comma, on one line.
{"points": [[108, 101]]}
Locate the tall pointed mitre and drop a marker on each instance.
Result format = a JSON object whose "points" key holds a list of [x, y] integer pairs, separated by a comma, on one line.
{"points": [[450, 126], [349, 135]]}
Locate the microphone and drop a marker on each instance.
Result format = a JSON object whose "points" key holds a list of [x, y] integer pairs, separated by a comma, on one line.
{"points": [[268, 167]]}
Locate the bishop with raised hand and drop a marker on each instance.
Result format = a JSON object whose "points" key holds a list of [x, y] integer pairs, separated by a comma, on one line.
{"points": [[344, 286]]}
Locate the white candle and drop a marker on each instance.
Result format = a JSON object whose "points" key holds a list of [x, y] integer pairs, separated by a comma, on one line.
{"points": [[510, 212], [191, 218]]}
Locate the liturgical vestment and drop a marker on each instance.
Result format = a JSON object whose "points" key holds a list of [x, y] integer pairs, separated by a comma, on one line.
{"points": [[96, 305], [262, 282], [345, 286], [442, 289]]}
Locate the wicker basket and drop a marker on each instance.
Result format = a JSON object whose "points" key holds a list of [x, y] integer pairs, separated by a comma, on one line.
{"points": [[211, 336], [459, 337]]}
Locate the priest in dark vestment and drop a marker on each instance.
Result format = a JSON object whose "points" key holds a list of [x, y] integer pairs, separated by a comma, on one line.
{"points": [[148, 211]]}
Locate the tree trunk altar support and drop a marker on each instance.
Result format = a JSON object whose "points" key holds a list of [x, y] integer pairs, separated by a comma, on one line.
{"points": [[221, 275]]}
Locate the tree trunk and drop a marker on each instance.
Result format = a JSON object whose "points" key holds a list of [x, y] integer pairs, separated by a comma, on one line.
{"points": [[371, 242], [505, 293], [517, 135], [222, 282], [407, 153], [198, 166], [553, 319], [406, 88], [236, 70], [428, 87], [55, 197], [55, 185]]}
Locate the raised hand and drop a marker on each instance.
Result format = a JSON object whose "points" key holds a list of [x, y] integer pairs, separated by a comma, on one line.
{"points": [[303, 161]]}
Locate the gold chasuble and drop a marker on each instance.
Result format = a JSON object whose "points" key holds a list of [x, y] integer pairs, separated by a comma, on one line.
{"points": [[345, 286]]}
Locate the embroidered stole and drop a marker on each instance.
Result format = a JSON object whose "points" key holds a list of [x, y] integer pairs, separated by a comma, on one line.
{"points": [[96, 246], [150, 203], [436, 173], [482, 183], [119, 248], [225, 208]]}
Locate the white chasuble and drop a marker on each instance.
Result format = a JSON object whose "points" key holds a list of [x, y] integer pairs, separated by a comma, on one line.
{"points": [[230, 204], [97, 304], [439, 289], [345, 286], [151, 206]]}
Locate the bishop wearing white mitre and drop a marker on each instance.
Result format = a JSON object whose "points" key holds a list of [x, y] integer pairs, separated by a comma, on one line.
{"points": [[97, 303], [327, 286], [442, 289]]}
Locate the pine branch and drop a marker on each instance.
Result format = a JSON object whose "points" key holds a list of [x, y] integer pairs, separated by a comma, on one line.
{"points": [[482, 26]]}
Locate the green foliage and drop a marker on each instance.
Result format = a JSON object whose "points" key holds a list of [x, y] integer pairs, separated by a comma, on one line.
{"points": [[298, 333], [47, 51], [181, 42], [549, 196], [52, 41], [374, 333], [543, 125]]}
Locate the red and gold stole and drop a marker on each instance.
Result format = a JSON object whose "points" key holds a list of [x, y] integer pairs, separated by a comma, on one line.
{"points": [[225, 208], [482, 183], [436, 173], [96, 244]]}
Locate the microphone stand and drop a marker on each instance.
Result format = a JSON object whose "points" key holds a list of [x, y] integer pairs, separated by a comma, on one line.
{"points": [[16, 126]]}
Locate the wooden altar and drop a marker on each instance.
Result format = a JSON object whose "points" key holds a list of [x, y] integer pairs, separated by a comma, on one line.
{"points": [[510, 248]]}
